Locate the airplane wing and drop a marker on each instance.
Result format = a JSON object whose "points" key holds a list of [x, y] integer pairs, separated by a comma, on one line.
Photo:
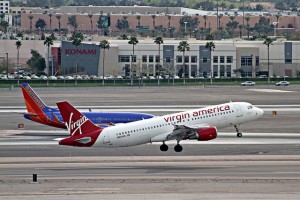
{"points": [[180, 131]]}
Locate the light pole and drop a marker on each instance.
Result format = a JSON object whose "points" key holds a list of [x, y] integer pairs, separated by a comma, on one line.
{"points": [[184, 28], [7, 65], [275, 24]]}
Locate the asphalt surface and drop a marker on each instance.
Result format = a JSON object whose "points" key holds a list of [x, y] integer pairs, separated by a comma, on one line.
{"points": [[264, 164]]}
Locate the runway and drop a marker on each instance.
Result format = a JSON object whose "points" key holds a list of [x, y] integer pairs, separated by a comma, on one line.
{"points": [[263, 164]]}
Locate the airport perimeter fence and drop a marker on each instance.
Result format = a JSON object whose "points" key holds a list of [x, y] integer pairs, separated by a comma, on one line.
{"points": [[11, 83]]}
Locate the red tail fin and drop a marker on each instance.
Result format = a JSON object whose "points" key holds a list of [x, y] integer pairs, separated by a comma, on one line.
{"points": [[77, 123]]}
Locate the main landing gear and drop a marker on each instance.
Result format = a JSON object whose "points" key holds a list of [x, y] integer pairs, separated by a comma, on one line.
{"points": [[177, 148], [164, 147], [239, 134]]}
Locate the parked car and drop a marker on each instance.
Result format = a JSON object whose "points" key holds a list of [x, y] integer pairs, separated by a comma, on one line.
{"points": [[52, 78], [69, 78], [60, 77], [248, 83], [282, 83], [86, 77], [34, 77], [43, 77], [26, 78], [3, 77], [78, 77]]}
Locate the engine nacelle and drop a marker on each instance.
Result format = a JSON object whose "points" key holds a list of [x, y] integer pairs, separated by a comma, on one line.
{"points": [[203, 134]]}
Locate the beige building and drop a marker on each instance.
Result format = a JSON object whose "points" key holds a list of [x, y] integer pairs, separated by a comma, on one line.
{"points": [[230, 58]]}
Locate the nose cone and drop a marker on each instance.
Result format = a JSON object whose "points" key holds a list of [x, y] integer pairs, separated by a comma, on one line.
{"points": [[259, 112]]}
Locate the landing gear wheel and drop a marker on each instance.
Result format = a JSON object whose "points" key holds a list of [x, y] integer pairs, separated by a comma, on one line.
{"points": [[239, 135], [178, 148], [164, 147]]}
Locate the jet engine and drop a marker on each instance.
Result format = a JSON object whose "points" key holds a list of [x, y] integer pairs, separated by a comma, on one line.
{"points": [[203, 134]]}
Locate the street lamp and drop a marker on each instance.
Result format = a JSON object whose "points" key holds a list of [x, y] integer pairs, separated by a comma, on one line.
{"points": [[275, 24], [184, 28], [7, 65]]}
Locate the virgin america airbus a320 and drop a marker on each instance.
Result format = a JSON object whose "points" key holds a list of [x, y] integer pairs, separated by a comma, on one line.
{"points": [[199, 124]]}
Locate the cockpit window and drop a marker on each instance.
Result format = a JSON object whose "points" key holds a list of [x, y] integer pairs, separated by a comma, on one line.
{"points": [[250, 107]]}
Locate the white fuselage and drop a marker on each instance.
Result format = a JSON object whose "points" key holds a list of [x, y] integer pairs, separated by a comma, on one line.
{"points": [[158, 128]]}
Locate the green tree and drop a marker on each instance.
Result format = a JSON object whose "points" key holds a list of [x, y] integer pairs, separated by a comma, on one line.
{"points": [[183, 47], [18, 45], [247, 18], [48, 42], [263, 27], [36, 62], [124, 37], [268, 41], [72, 21], [211, 46], [40, 23], [104, 44], [133, 41], [4, 25], [188, 23], [158, 40]]}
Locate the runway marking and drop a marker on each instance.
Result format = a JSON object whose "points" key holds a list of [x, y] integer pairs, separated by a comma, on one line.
{"points": [[270, 90]]}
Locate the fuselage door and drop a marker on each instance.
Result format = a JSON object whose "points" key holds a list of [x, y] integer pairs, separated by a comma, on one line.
{"points": [[238, 111], [106, 139]]}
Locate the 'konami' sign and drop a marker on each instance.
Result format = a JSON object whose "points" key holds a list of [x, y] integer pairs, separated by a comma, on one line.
{"points": [[81, 51]]}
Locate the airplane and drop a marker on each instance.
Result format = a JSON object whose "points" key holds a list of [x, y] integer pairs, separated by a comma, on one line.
{"points": [[198, 124], [38, 111]]}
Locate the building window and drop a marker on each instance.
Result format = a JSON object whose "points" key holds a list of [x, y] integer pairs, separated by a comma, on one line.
{"points": [[151, 59], [246, 61], [222, 59], [256, 60], [168, 59], [123, 58], [215, 59], [157, 59], [193, 59], [205, 60], [229, 59], [186, 59], [288, 61], [134, 58], [179, 59], [144, 58]]}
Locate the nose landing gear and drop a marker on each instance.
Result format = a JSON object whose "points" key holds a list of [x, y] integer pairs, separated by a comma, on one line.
{"points": [[239, 134]]}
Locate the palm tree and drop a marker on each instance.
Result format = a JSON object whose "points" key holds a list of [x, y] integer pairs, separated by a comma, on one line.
{"points": [[205, 18], [50, 20], [134, 41], [153, 18], [18, 45], [58, 17], [138, 17], [77, 40], [158, 40], [248, 29], [30, 19], [91, 20], [211, 46], [183, 47], [169, 23], [48, 42], [268, 41], [104, 44]]}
